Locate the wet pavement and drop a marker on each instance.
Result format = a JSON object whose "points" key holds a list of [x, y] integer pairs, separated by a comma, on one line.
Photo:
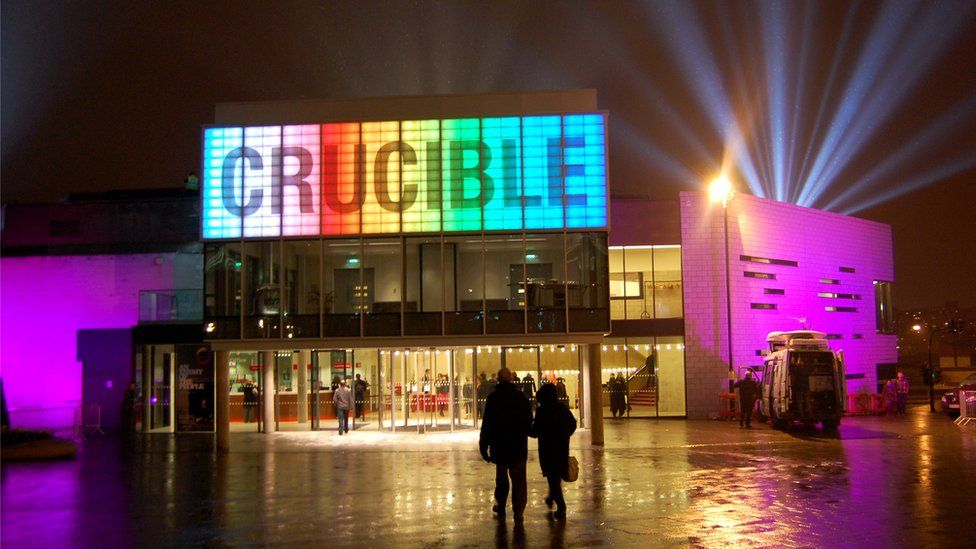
{"points": [[883, 482]]}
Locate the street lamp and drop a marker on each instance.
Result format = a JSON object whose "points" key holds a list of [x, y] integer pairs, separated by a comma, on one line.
{"points": [[721, 189]]}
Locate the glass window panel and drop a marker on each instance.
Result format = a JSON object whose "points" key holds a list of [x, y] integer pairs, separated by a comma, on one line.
{"points": [[381, 286], [671, 375], [545, 283], [638, 287], [641, 376], [424, 298], [464, 270], [262, 289], [587, 276], [618, 283], [667, 282], [222, 283], [303, 287], [560, 365], [504, 284], [343, 301]]}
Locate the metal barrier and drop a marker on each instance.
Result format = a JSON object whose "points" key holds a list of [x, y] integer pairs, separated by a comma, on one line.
{"points": [[865, 404], [89, 420], [967, 409]]}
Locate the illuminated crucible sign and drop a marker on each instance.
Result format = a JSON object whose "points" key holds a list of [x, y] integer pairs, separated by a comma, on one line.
{"points": [[411, 176]]}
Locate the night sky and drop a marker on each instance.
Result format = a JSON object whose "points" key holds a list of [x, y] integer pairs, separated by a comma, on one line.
{"points": [[110, 95]]}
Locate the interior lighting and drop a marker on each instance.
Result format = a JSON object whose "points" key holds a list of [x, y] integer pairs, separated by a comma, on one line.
{"points": [[211, 327], [915, 327]]}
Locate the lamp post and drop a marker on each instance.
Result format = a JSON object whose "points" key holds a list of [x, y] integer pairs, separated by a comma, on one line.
{"points": [[931, 370], [721, 189]]}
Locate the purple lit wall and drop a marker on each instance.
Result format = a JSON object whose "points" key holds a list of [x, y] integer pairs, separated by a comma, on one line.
{"points": [[46, 300], [801, 266]]}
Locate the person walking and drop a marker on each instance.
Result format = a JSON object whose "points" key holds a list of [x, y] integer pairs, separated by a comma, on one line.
{"points": [[553, 426], [361, 385], [748, 394], [342, 398], [250, 400], [890, 394], [901, 388], [504, 442]]}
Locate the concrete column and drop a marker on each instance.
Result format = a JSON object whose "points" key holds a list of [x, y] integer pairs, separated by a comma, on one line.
{"points": [[303, 358], [594, 409], [222, 418], [268, 360]]}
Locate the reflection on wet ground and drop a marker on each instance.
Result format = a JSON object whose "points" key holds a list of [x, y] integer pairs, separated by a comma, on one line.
{"points": [[883, 482]]}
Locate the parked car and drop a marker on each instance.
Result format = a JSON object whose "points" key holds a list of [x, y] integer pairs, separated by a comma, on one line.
{"points": [[950, 400]]}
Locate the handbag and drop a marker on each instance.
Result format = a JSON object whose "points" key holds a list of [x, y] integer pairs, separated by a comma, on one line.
{"points": [[572, 469]]}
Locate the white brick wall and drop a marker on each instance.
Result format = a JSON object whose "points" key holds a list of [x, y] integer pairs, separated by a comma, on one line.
{"points": [[819, 242]]}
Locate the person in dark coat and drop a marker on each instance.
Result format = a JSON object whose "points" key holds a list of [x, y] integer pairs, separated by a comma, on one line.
{"points": [[504, 442], [128, 415], [748, 394], [553, 426]]}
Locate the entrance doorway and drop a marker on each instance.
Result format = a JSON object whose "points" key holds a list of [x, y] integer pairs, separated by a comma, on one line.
{"points": [[428, 390]]}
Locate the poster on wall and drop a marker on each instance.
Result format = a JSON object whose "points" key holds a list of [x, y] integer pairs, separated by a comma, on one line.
{"points": [[194, 388]]}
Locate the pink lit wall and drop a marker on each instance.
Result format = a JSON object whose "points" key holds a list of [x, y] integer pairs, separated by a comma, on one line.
{"points": [[44, 301], [787, 296]]}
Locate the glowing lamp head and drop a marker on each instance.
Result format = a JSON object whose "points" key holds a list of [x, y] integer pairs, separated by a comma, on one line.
{"points": [[916, 327], [721, 190]]}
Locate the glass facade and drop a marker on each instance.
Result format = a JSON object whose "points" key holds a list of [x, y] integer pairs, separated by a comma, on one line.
{"points": [[395, 389], [643, 377], [538, 283], [645, 282]]}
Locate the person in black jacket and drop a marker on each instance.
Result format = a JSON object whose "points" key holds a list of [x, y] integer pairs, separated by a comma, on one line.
{"points": [[553, 426], [748, 394], [504, 442]]}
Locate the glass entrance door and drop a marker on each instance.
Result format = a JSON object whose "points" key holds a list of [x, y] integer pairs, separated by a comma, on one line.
{"points": [[423, 390]]}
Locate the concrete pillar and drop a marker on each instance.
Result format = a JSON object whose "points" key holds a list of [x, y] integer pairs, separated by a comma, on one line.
{"points": [[222, 418], [594, 409], [268, 361], [147, 351], [303, 358]]}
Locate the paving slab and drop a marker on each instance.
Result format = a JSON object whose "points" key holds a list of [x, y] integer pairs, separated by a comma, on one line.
{"points": [[881, 482]]}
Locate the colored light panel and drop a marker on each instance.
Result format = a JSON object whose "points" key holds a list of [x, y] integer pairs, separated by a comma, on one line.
{"points": [[221, 191], [503, 208], [542, 176], [262, 146], [585, 164], [342, 178], [463, 169], [300, 180], [381, 207], [416, 176], [422, 177]]}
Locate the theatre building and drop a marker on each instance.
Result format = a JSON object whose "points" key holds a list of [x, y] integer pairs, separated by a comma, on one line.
{"points": [[420, 244]]}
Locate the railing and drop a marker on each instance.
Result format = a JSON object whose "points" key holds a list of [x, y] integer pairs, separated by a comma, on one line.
{"points": [[59, 419], [76, 421], [967, 409], [170, 305]]}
